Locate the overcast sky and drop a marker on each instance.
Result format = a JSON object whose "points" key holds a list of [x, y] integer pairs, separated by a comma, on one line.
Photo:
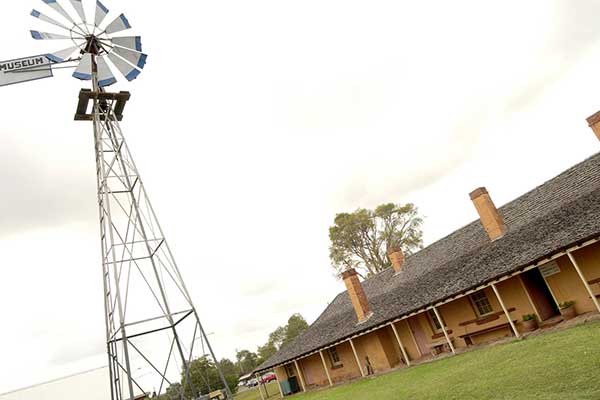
{"points": [[253, 124]]}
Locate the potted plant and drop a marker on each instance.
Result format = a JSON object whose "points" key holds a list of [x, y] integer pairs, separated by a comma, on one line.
{"points": [[530, 323], [567, 309]]}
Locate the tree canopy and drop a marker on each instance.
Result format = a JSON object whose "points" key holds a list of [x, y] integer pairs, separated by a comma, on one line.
{"points": [[204, 374], [280, 337], [361, 239], [246, 361], [205, 377]]}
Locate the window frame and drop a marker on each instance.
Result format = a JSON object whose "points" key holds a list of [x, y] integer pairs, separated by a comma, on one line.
{"points": [[334, 357], [434, 322], [476, 302]]}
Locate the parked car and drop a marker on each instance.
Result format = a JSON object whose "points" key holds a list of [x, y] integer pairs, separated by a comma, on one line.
{"points": [[268, 377], [252, 382]]}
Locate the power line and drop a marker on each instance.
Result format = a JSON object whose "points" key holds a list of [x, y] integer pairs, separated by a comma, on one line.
{"points": [[54, 380]]}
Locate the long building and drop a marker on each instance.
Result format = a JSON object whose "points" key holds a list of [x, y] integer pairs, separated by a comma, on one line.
{"points": [[536, 255]]}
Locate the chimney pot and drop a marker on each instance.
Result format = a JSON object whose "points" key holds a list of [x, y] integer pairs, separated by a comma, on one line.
{"points": [[357, 295], [594, 123], [396, 257], [490, 218]]}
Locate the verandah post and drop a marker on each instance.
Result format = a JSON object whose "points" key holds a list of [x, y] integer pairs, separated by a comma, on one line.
{"points": [[259, 390], [362, 373], [441, 321], [300, 375], [508, 317], [278, 383], [400, 344], [325, 366], [585, 283]]}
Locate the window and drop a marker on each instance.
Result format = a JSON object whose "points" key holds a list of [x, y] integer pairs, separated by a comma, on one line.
{"points": [[481, 303], [334, 357], [435, 323], [289, 370]]}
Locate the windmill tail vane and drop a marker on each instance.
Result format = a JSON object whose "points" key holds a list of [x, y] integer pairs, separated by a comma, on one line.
{"points": [[151, 322]]}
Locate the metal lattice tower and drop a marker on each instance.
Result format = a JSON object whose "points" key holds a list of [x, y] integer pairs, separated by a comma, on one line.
{"points": [[152, 326], [133, 246]]}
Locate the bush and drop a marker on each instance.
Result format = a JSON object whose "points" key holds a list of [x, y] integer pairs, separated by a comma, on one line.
{"points": [[529, 317], [566, 304]]}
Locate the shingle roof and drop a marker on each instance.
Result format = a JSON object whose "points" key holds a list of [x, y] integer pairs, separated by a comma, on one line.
{"points": [[549, 218]]}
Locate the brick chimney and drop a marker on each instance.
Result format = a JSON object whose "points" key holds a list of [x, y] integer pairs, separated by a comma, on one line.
{"points": [[594, 123], [396, 257], [357, 295], [488, 214]]}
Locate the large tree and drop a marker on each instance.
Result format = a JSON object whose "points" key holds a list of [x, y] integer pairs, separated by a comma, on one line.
{"points": [[295, 326], [361, 239], [266, 351]]}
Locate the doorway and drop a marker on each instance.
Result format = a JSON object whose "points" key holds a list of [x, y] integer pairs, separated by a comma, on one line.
{"points": [[540, 294], [419, 335]]}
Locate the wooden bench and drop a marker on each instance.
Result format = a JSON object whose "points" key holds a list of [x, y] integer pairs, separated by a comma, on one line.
{"points": [[439, 346], [593, 281], [467, 336]]}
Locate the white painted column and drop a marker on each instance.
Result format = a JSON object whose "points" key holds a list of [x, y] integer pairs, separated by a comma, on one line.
{"points": [[278, 383], [259, 390], [400, 344], [585, 283], [362, 373], [508, 317], [300, 375], [325, 366], [412, 335], [441, 321]]}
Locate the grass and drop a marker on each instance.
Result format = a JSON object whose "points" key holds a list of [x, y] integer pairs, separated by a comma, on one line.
{"points": [[559, 365], [252, 394]]}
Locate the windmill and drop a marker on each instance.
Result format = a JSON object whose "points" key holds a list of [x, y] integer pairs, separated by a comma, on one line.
{"points": [[151, 322]]}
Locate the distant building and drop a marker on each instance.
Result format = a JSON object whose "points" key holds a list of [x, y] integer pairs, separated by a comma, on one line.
{"points": [[530, 256]]}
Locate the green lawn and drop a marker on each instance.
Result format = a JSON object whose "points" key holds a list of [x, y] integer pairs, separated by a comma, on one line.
{"points": [[560, 365], [253, 394]]}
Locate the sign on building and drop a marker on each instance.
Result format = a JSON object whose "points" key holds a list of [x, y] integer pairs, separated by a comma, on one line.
{"points": [[24, 70], [549, 269]]}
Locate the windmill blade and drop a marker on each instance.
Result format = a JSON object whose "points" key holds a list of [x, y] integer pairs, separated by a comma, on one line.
{"points": [[101, 12], [84, 69], [78, 6], [129, 42], [118, 25], [58, 8], [105, 75], [137, 59], [37, 35], [62, 55], [45, 18], [129, 72]]}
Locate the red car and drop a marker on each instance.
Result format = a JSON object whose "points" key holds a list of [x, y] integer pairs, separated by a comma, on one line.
{"points": [[266, 378]]}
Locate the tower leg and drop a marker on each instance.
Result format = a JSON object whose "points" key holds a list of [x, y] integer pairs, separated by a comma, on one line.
{"points": [[145, 297]]}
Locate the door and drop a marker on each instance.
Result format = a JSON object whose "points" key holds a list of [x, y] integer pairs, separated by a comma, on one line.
{"points": [[419, 335], [540, 294]]}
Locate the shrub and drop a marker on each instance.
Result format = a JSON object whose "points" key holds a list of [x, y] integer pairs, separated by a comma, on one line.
{"points": [[566, 304], [529, 317]]}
